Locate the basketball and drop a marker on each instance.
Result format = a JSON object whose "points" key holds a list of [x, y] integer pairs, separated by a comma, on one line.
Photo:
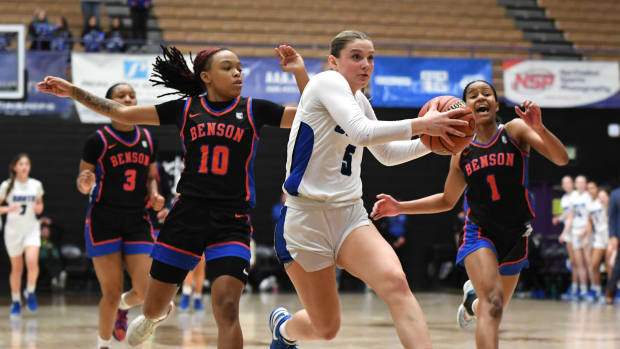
{"points": [[438, 145]]}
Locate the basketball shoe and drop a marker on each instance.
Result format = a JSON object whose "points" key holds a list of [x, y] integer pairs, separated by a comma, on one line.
{"points": [[120, 325], [16, 309], [198, 304], [31, 301], [184, 304], [463, 317], [277, 317], [141, 328]]}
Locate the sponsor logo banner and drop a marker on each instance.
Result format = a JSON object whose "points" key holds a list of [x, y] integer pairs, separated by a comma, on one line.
{"points": [[561, 84], [411, 82], [96, 72]]}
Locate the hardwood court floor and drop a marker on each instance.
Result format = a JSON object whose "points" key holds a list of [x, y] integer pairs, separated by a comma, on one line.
{"points": [[71, 322]]}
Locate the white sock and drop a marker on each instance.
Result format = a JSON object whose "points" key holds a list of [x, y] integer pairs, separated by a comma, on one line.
{"points": [[583, 289], [473, 305], [30, 288], [123, 305], [574, 287], [102, 342], [596, 288], [16, 297], [197, 295], [187, 290], [283, 333]]}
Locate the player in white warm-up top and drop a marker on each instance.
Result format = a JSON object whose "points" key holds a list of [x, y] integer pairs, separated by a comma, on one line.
{"points": [[22, 233], [324, 222]]}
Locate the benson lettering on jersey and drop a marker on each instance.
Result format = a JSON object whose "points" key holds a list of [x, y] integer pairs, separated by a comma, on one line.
{"points": [[216, 129], [129, 157], [494, 159]]}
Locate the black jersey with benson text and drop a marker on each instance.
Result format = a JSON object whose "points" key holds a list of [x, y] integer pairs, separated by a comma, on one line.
{"points": [[219, 140], [497, 197], [122, 161]]}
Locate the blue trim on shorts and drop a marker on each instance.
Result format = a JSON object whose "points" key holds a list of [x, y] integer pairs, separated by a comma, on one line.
{"points": [[101, 249], [176, 258], [473, 242], [304, 143], [231, 249], [513, 269], [280, 242], [137, 248]]}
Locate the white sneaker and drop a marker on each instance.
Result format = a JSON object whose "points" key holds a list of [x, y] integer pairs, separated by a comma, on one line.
{"points": [[462, 316], [141, 328]]}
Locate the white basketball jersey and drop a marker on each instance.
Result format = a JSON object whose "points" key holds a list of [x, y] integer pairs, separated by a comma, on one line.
{"points": [[25, 195], [565, 202], [322, 166], [579, 206], [598, 216]]}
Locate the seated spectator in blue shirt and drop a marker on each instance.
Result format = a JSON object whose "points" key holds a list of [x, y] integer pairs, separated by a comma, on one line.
{"points": [[40, 31], [92, 36], [115, 38], [61, 36]]}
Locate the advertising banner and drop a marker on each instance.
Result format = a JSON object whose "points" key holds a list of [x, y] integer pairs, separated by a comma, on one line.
{"points": [[38, 64], [411, 82], [562, 84], [96, 72]]}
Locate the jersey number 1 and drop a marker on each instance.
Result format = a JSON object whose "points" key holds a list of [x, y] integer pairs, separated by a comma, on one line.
{"points": [[493, 184]]}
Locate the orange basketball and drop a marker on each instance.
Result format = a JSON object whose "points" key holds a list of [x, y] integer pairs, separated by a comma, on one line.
{"points": [[438, 145]]}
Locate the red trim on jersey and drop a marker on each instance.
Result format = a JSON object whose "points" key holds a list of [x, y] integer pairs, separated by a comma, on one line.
{"points": [[187, 104], [229, 243], [177, 249], [100, 162], [465, 229], [247, 162], [514, 142], [219, 112], [150, 140], [529, 204], [520, 260], [113, 134], [137, 242], [491, 142]]}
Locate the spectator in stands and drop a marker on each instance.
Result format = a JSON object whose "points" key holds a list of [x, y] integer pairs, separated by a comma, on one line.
{"points": [[61, 36], [115, 37], [92, 36], [40, 31], [139, 10], [49, 256], [89, 9]]}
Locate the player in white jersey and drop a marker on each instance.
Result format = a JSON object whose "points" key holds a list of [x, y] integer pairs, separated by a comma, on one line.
{"points": [[323, 222], [597, 238], [568, 185], [22, 232], [575, 228]]}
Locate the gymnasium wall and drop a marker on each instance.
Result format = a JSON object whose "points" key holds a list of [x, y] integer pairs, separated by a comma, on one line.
{"points": [[55, 147]]}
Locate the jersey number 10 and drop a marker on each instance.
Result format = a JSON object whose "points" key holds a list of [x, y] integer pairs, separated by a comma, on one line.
{"points": [[219, 160]]}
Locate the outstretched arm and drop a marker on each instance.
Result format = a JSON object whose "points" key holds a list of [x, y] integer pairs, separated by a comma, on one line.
{"points": [[453, 188], [291, 62], [531, 130], [135, 115]]}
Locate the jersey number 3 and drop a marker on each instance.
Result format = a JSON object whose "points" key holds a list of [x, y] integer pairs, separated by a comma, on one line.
{"points": [[346, 160], [130, 180], [493, 185]]}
